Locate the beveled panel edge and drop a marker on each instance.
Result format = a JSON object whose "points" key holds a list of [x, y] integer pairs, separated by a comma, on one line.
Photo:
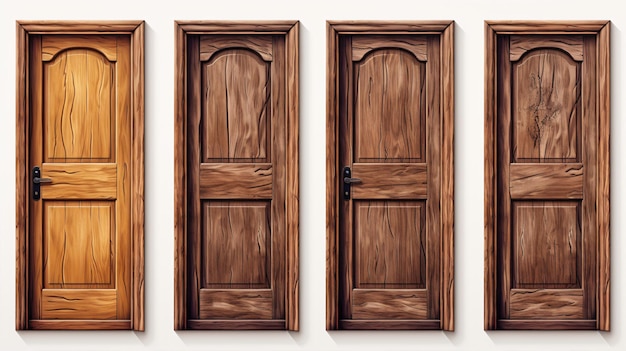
{"points": [[135, 29], [445, 29], [290, 30]]}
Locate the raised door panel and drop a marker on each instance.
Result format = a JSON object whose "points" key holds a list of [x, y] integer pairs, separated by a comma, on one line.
{"points": [[546, 176], [389, 220], [84, 159], [237, 122]]}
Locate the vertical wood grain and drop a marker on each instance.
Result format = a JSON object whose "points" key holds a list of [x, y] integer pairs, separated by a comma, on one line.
{"points": [[348, 71], [604, 175], [390, 242], [292, 52], [389, 107], [79, 106], [194, 214], [22, 213], [236, 248], [252, 78], [332, 191], [447, 179], [35, 235], [490, 186], [546, 241], [236, 84], [180, 179], [503, 160], [546, 110], [590, 137], [577, 139], [77, 244], [137, 176], [83, 143]]}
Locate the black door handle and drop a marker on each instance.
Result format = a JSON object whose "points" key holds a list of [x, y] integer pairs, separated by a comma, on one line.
{"points": [[347, 181], [37, 180]]}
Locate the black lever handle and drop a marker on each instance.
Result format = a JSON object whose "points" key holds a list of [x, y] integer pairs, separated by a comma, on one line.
{"points": [[37, 180], [347, 181]]}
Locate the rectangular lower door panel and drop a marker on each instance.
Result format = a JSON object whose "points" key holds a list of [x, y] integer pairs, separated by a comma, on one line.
{"points": [[236, 166], [547, 175], [80, 175], [389, 175]]}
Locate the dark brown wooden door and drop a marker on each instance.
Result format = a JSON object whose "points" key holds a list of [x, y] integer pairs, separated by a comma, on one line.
{"points": [[390, 138], [237, 181], [547, 181], [80, 153]]}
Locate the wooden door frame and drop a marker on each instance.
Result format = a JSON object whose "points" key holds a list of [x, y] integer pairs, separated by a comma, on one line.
{"points": [[600, 29], [445, 30], [290, 30], [135, 30]]}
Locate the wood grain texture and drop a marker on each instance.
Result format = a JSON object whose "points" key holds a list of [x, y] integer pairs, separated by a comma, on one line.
{"points": [[79, 106], [250, 132], [292, 198], [490, 184], [235, 110], [236, 181], [78, 239], [547, 324], [390, 244], [180, 180], [546, 109], [576, 141], [261, 45], [362, 44], [603, 191], [22, 174], [389, 304], [447, 179], [78, 304], [385, 180], [236, 304], [79, 181], [137, 177], [389, 107], [546, 304], [51, 46], [572, 44], [240, 324], [547, 247], [546, 181], [85, 324], [390, 167], [52, 40], [332, 177], [236, 244]]}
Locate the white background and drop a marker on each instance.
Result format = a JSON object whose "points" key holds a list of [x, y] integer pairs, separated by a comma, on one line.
{"points": [[469, 16]]}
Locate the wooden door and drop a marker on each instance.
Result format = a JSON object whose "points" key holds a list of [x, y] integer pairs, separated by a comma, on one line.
{"points": [[239, 180], [391, 165], [79, 150], [551, 137]]}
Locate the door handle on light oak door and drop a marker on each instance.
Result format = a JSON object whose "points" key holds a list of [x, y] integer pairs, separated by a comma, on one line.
{"points": [[348, 181], [37, 181]]}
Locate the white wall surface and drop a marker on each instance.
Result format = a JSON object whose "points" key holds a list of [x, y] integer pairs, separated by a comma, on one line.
{"points": [[469, 48]]}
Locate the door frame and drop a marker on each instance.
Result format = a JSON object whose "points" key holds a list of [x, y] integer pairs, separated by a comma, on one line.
{"points": [[290, 31], [600, 29], [445, 30], [135, 30]]}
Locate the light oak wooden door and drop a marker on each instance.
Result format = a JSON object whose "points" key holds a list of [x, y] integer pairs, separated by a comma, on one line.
{"points": [[80, 252], [237, 181], [390, 162], [550, 135]]}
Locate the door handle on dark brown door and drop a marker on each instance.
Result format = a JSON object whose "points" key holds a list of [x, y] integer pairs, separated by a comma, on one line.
{"points": [[347, 181], [37, 180]]}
